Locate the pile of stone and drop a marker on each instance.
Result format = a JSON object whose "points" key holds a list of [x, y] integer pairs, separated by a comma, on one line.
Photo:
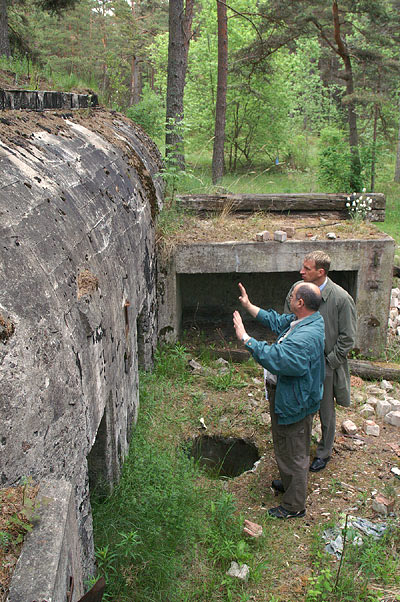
{"points": [[387, 409], [394, 313]]}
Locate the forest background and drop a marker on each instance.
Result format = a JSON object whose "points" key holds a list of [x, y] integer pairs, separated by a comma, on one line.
{"points": [[311, 97]]}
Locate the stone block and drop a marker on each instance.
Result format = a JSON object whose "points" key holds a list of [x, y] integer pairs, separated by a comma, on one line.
{"points": [[395, 404], [262, 236], [382, 408], [382, 505], [290, 231], [386, 385], [367, 410], [393, 418], [371, 428], [349, 427], [374, 390], [280, 236], [241, 571], [372, 401]]}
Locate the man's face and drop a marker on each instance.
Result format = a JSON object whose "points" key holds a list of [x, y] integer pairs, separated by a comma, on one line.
{"points": [[293, 300], [309, 272]]}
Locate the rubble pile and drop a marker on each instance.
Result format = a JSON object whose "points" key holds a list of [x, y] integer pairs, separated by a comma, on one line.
{"points": [[394, 313]]}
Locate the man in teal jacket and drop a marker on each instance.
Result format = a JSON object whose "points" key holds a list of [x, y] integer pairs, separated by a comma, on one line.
{"points": [[339, 313], [295, 371]]}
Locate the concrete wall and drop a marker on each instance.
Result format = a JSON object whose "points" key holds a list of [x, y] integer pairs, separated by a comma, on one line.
{"points": [[78, 197], [202, 287]]}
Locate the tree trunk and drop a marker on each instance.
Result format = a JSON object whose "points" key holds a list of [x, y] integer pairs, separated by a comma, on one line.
{"points": [[179, 35], [397, 170], [220, 106], [373, 371], [4, 37], [355, 180], [135, 91], [373, 157]]}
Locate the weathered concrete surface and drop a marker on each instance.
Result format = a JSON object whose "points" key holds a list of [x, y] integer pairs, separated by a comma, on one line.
{"points": [[49, 566], [78, 196], [203, 281], [38, 100]]}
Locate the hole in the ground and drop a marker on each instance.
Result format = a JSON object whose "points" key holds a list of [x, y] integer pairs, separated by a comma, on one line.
{"points": [[224, 456]]}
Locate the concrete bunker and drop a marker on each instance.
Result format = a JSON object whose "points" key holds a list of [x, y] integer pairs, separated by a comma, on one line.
{"points": [[79, 193], [199, 289]]}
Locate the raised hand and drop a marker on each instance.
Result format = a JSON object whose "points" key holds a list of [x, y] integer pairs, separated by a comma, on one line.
{"points": [[244, 298]]}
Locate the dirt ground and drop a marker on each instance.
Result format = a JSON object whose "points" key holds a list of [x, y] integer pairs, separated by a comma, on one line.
{"points": [[359, 469]]}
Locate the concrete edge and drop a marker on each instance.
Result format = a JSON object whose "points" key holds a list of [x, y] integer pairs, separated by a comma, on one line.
{"points": [[38, 100], [48, 568]]}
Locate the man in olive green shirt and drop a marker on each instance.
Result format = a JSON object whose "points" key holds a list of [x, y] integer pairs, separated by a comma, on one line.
{"points": [[339, 313]]}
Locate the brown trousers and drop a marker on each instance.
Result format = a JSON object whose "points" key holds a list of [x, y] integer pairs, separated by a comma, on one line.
{"points": [[292, 454]]}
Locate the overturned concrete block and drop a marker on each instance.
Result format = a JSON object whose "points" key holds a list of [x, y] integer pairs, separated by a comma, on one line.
{"points": [[393, 418], [382, 408], [349, 427], [371, 428], [264, 235], [280, 236]]}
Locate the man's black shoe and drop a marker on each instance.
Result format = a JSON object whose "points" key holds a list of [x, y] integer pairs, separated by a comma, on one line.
{"points": [[281, 512], [319, 464], [278, 485]]}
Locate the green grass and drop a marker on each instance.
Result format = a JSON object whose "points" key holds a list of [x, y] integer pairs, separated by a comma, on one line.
{"points": [[158, 522]]}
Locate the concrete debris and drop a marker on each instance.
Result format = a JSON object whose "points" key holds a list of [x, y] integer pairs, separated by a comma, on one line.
{"points": [[382, 505], [367, 410], [349, 427], [396, 471], [394, 403], [195, 366], [263, 236], [280, 236], [386, 385], [372, 401], [333, 536], [265, 418], [203, 424], [290, 231], [241, 571], [371, 428], [393, 418], [382, 408], [374, 390], [252, 529]]}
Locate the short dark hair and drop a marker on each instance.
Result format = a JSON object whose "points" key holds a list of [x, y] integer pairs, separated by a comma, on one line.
{"points": [[310, 296], [321, 260]]}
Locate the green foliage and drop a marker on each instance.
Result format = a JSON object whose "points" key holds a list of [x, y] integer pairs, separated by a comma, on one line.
{"points": [[334, 160], [226, 380], [158, 520], [149, 112]]}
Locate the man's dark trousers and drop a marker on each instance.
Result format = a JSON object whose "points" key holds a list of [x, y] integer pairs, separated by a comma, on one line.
{"points": [[292, 454]]}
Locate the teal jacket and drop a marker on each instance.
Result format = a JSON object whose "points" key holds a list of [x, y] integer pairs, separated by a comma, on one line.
{"points": [[298, 361]]}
